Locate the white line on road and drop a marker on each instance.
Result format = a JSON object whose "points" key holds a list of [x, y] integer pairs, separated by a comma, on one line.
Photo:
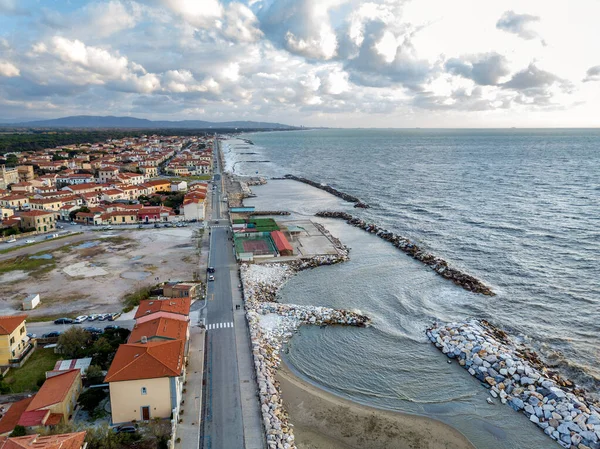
{"points": [[214, 326]]}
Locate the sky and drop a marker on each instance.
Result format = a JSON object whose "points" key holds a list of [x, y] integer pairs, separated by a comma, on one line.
{"points": [[336, 63]]}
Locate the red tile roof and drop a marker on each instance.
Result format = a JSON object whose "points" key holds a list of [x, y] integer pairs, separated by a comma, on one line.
{"points": [[62, 441], [160, 327], [33, 418], [180, 306], [10, 322], [13, 415], [147, 361], [54, 389], [35, 213]]}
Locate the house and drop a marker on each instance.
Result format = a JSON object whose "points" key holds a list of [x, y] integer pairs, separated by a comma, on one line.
{"points": [[113, 195], [120, 217], [12, 416], [14, 201], [41, 220], [54, 402], [149, 171], [194, 207], [5, 212], [159, 185], [146, 380], [179, 290], [46, 203], [88, 187], [22, 187], [74, 440], [175, 308], [159, 329], [155, 213], [14, 342], [62, 366], [106, 174], [179, 186], [64, 213]]}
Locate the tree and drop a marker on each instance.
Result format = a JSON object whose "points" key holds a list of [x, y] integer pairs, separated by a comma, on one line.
{"points": [[74, 342], [102, 352], [76, 211], [94, 374], [18, 431], [91, 398]]}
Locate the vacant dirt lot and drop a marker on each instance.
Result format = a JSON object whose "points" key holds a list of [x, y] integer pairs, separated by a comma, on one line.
{"points": [[94, 275]]}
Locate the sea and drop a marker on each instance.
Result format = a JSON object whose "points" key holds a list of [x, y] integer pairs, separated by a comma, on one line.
{"points": [[517, 208]]}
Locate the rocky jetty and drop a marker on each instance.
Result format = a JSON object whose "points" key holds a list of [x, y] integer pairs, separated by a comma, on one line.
{"points": [[437, 264], [256, 181], [271, 325], [329, 189], [517, 377]]}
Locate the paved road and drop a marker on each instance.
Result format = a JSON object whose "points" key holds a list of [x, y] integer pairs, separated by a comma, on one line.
{"points": [[223, 427], [43, 327]]}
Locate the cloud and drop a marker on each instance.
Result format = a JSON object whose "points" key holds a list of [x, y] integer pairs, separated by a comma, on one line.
{"points": [[8, 69], [518, 24], [12, 7], [203, 13], [114, 16], [484, 69], [592, 74], [536, 86]]}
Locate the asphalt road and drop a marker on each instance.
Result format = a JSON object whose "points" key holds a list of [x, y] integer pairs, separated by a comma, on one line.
{"points": [[223, 427], [43, 327]]}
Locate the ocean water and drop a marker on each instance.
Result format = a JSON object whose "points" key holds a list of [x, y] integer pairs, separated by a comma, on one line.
{"points": [[519, 209]]}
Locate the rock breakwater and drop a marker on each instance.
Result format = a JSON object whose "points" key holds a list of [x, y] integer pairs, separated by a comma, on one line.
{"points": [[517, 377], [271, 324], [437, 264], [329, 189], [269, 212]]}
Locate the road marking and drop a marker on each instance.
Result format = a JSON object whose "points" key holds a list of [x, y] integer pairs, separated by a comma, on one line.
{"points": [[215, 326]]}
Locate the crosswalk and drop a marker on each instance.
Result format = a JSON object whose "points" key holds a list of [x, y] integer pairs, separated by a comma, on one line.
{"points": [[215, 326]]}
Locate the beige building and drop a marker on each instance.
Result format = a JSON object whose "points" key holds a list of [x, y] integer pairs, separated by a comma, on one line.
{"points": [[14, 341], [8, 176], [41, 220], [146, 380]]}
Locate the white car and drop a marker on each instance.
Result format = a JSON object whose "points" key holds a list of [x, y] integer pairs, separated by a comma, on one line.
{"points": [[80, 319], [30, 241]]}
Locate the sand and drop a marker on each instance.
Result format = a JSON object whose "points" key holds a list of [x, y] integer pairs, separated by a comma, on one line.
{"points": [[324, 421]]}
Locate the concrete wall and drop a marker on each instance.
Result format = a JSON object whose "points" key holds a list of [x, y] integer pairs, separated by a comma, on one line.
{"points": [[127, 400]]}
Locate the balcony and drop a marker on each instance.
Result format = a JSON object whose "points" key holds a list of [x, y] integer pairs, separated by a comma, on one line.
{"points": [[17, 362]]}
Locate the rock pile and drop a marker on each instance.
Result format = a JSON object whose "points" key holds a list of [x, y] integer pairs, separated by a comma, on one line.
{"points": [[437, 264], [510, 372], [271, 325], [329, 189], [256, 181], [269, 212]]}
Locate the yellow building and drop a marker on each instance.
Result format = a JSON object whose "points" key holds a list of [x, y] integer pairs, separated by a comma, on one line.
{"points": [[146, 380], [41, 220], [14, 342]]}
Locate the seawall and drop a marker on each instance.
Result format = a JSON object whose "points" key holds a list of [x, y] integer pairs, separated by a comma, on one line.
{"points": [[437, 264], [329, 189]]}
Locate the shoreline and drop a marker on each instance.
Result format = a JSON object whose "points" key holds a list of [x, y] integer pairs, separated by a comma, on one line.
{"points": [[323, 420]]}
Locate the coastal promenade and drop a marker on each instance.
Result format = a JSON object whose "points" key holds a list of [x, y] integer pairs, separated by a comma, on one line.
{"points": [[231, 416]]}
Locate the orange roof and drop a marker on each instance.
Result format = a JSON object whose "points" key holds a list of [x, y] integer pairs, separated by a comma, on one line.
{"points": [[160, 327], [12, 416], [34, 418], [179, 306], [146, 361], [62, 441], [9, 323], [35, 213], [54, 389]]}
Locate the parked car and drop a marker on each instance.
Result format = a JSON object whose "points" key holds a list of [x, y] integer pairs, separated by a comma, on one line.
{"points": [[211, 269], [112, 327], [93, 330], [93, 317], [29, 241], [53, 334], [11, 240], [30, 335], [63, 321], [211, 278], [156, 225], [114, 316], [104, 317], [125, 429], [80, 319]]}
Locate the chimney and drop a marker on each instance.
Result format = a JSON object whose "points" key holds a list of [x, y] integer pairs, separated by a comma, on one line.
{"points": [[144, 339]]}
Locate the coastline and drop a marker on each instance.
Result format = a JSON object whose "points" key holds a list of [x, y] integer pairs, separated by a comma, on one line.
{"points": [[324, 421]]}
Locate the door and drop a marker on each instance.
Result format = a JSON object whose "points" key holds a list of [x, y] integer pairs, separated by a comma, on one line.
{"points": [[145, 413]]}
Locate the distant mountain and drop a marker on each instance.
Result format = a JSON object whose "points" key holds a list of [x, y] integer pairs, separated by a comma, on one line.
{"points": [[91, 121]]}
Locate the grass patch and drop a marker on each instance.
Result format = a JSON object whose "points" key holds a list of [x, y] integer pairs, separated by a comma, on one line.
{"points": [[25, 263], [29, 375], [131, 300], [117, 240], [8, 250]]}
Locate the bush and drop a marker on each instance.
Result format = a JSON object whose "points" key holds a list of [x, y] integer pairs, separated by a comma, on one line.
{"points": [[18, 431], [91, 398]]}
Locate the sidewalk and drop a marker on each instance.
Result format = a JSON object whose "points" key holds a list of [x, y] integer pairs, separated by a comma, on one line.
{"points": [[254, 436], [189, 430]]}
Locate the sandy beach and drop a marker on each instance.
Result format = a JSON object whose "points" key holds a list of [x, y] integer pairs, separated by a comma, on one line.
{"points": [[324, 421]]}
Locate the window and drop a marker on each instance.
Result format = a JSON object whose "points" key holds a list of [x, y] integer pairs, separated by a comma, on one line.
{"points": [[144, 391], [22, 331], [12, 340]]}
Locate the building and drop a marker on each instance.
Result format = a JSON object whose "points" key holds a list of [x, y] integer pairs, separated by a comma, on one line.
{"points": [[54, 402], [41, 220], [146, 380], [159, 329], [107, 174], [14, 342], [179, 186], [16, 201], [175, 308], [152, 214], [53, 204], [282, 244], [26, 172], [31, 302], [179, 290], [62, 366], [194, 206], [74, 440], [120, 217], [8, 176]]}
